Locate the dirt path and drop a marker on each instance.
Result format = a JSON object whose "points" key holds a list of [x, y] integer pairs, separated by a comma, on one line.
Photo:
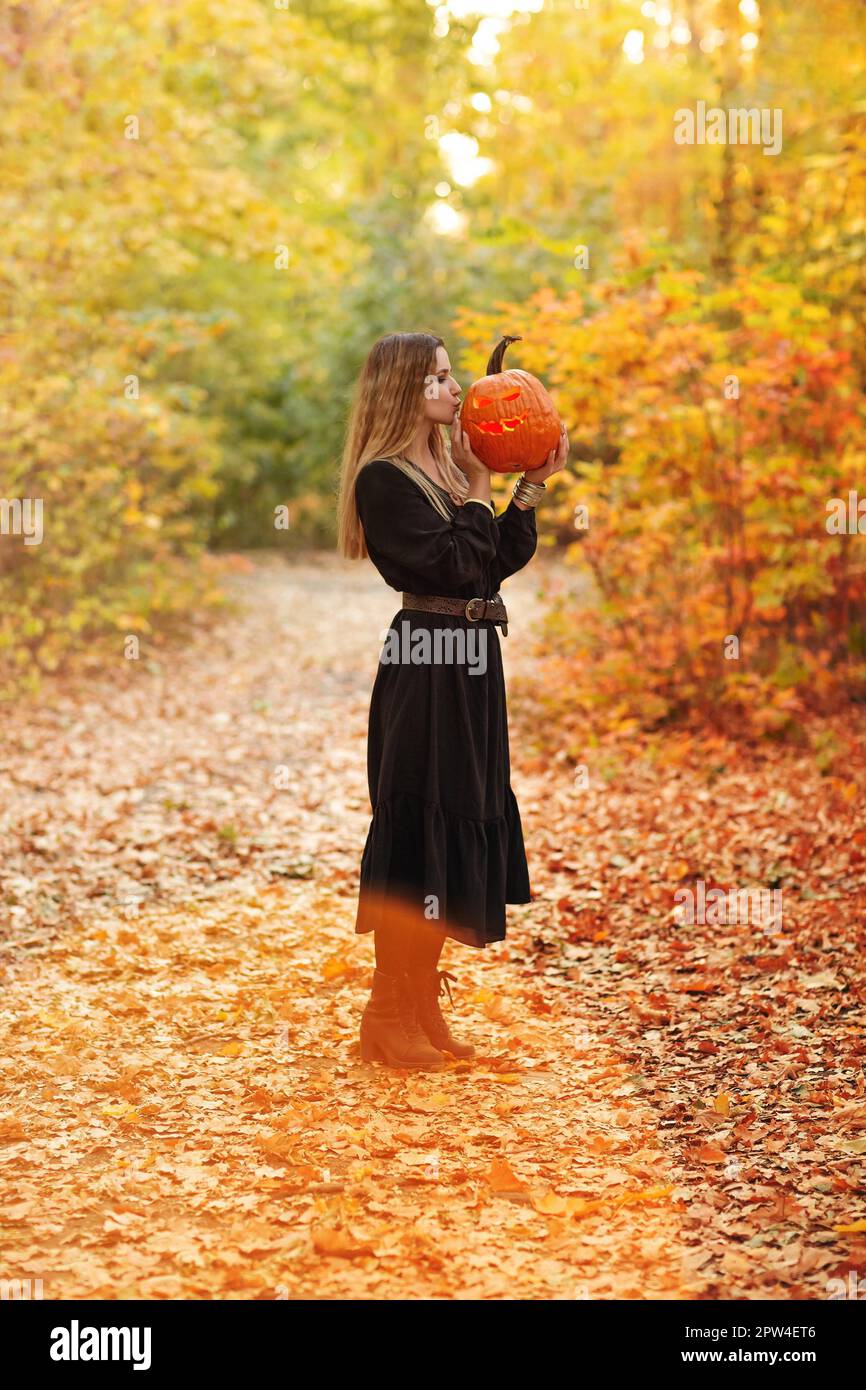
{"points": [[186, 1114]]}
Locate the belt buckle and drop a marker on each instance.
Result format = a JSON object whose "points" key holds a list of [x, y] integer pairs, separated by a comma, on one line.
{"points": [[467, 610]]}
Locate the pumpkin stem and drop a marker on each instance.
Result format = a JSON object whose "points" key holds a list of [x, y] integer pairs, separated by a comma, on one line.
{"points": [[495, 363]]}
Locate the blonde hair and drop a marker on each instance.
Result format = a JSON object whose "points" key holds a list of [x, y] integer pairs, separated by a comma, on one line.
{"points": [[383, 418]]}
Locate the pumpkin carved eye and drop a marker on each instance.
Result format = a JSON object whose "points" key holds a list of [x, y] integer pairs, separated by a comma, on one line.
{"points": [[488, 400]]}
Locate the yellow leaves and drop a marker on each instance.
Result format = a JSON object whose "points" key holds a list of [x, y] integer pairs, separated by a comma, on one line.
{"points": [[212, 598], [438, 1100], [709, 1153], [148, 1161], [651, 1194], [300, 1178], [121, 1110], [417, 1158], [276, 1145], [338, 966], [849, 791], [132, 622], [11, 1130], [851, 1146], [201, 486], [529, 1034], [231, 1049], [63, 1065], [600, 1144], [551, 1204], [584, 1206], [855, 1228], [329, 1240], [52, 1020], [119, 1220], [494, 1006], [722, 1104], [17, 1211], [502, 1179]]}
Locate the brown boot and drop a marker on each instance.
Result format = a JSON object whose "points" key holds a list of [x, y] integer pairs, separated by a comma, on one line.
{"points": [[429, 983], [390, 1031]]}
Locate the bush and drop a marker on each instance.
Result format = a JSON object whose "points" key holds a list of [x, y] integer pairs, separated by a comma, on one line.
{"points": [[710, 428]]}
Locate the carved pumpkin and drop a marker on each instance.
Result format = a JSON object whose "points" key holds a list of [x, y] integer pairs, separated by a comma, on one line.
{"points": [[510, 419]]}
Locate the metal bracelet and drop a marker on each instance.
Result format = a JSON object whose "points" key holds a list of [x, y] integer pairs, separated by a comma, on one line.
{"points": [[528, 493]]}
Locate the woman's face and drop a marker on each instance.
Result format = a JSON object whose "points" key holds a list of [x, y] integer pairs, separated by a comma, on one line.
{"points": [[441, 391]]}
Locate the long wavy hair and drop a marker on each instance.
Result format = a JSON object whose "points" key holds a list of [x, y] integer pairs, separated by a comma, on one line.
{"points": [[383, 418]]}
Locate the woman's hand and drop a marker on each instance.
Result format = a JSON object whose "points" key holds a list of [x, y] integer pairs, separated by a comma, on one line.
{"points": [[477, 473], [555, 462]]}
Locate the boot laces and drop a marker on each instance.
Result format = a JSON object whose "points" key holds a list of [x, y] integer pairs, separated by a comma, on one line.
{"points": [[436, 984], [407, 1011], [443, 986]]}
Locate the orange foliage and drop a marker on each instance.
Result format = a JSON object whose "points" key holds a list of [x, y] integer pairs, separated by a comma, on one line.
{"points": [[711, 429]]}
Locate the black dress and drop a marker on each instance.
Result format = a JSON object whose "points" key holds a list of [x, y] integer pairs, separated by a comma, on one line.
{"points": [[445, 837]]}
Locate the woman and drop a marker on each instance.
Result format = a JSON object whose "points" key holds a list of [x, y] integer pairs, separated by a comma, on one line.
{"points": [[445, 852]]}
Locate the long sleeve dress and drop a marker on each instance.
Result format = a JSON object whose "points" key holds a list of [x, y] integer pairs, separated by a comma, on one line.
{"points": [[445, 837]]}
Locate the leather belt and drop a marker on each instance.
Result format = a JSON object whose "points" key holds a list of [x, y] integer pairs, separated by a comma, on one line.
{"points": [[477, 610]]}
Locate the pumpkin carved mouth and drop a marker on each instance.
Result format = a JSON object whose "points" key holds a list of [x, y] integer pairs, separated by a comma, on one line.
{"points": [[500, 426]]}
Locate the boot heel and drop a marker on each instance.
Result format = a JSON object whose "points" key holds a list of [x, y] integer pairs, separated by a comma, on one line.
{"points": [[370, 1050], [390, 1032]]}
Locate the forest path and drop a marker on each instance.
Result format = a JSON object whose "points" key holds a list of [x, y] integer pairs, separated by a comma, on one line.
{"points": [[186, 1111]]}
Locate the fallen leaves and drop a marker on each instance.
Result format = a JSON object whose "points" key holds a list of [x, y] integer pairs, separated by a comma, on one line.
{"points": [[189, 1116], [328, 1240], [502, 1179], [709, 1153]]}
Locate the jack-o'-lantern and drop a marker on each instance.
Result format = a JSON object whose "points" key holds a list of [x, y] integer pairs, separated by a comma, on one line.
{"points": [[510, 419]]}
